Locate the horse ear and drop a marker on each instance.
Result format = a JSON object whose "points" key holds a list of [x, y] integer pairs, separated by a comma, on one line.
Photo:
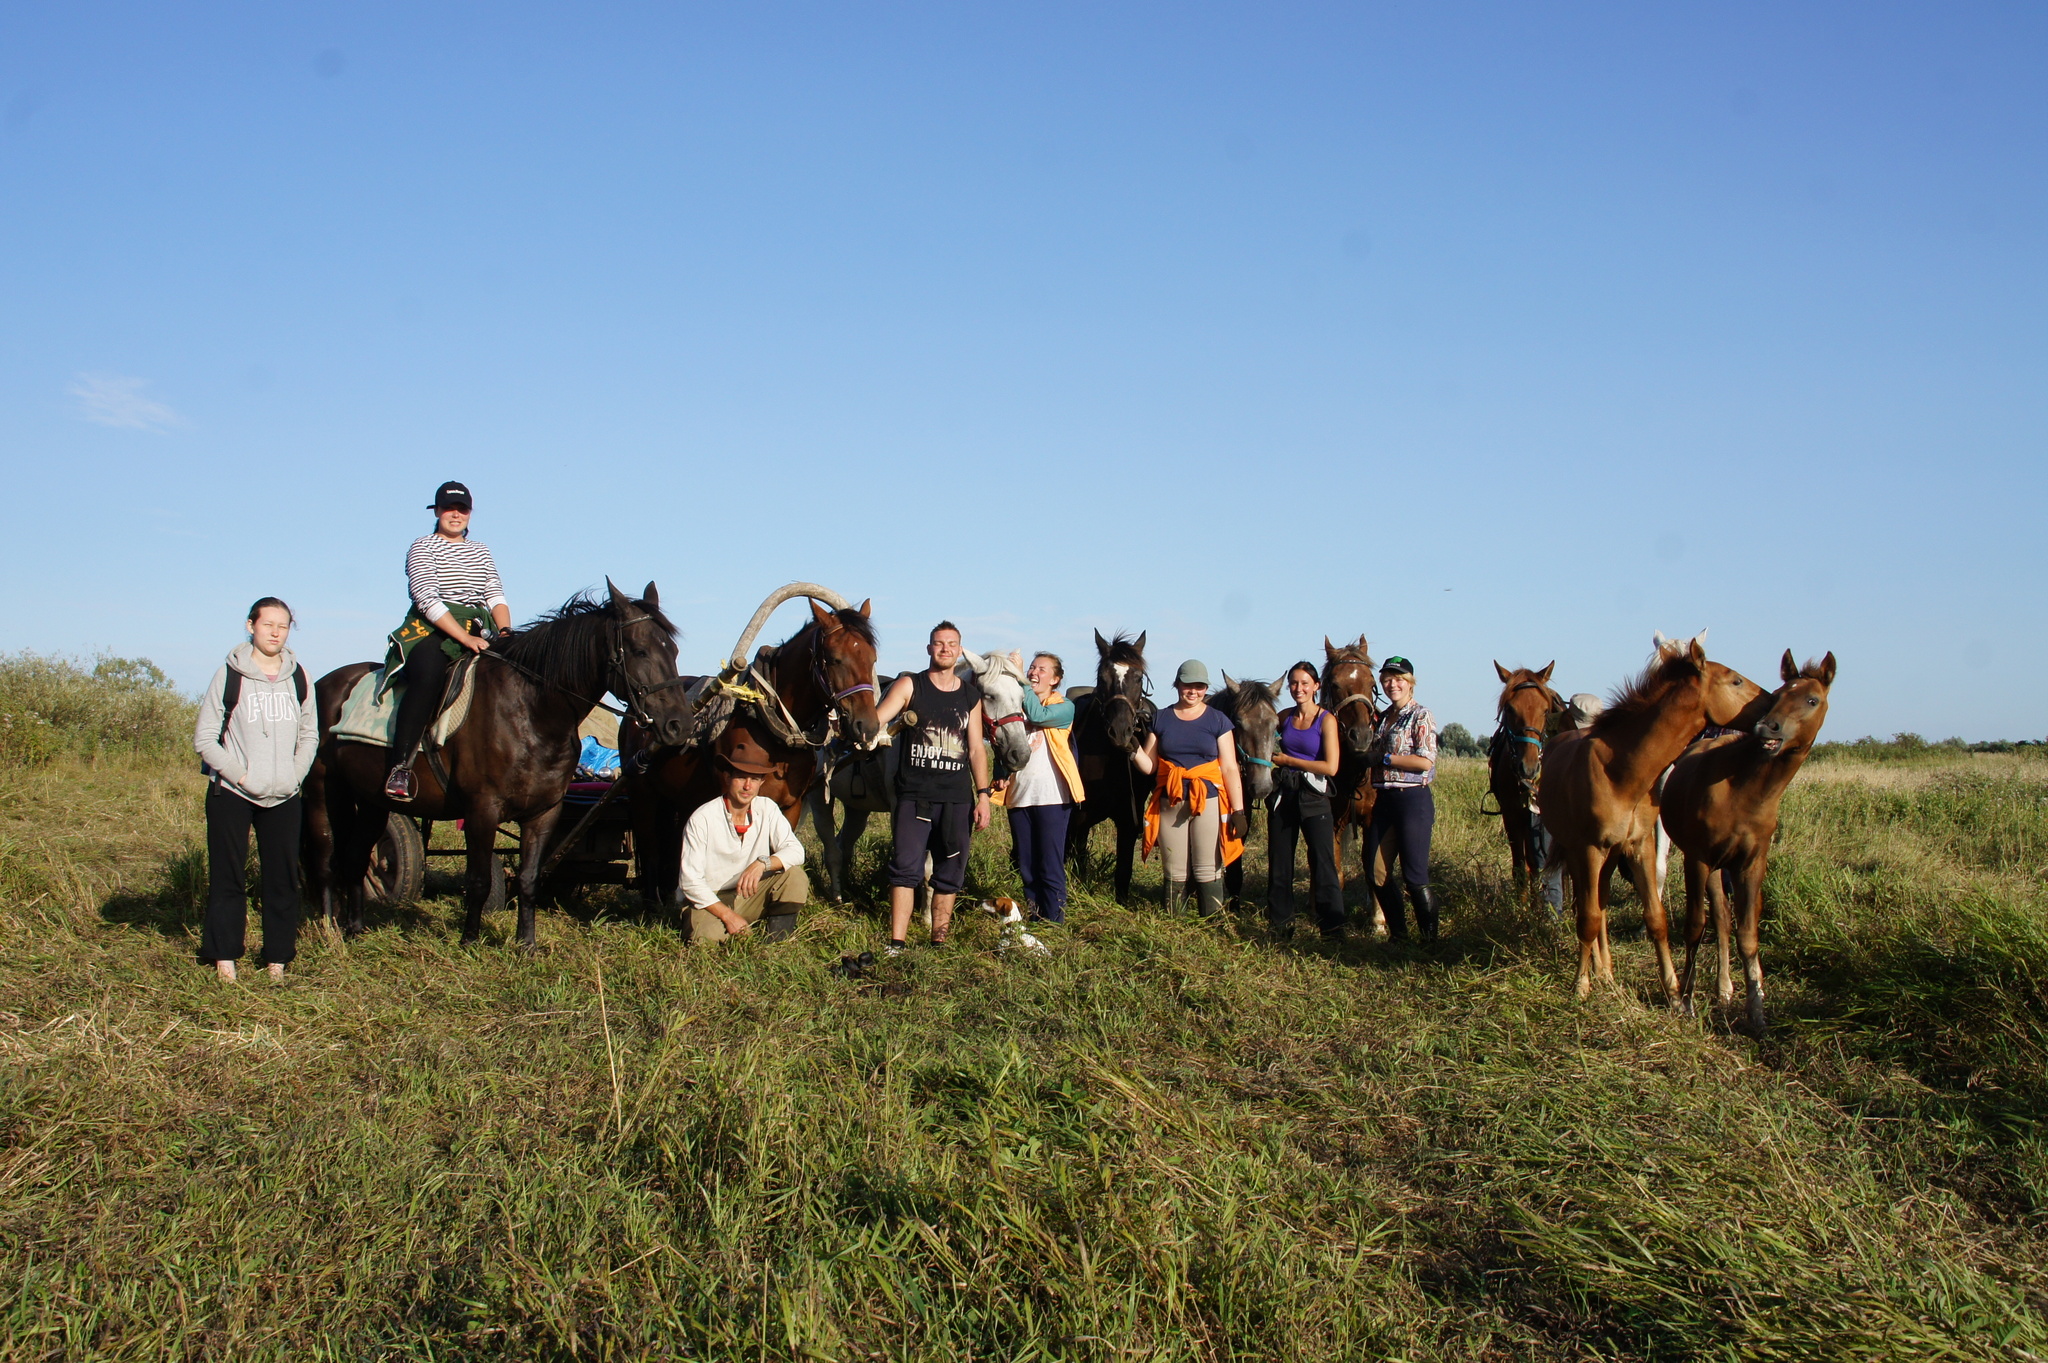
{"points": [[619, 598], [1229, 682], [1504, 673], [1548, 668], [1329, 649], [820, 614], [1827, 670], [1101, 644], [1788, 668], [865, 604], [1140, 643], [1697, 651], [1659, 642], [651, 596]]}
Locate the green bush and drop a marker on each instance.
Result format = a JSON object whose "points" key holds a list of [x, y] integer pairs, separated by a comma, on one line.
{"points": [[1914, 748], [50, 706]]}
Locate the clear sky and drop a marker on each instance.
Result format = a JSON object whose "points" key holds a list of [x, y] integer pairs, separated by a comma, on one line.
{"points": [[1495, 331]]}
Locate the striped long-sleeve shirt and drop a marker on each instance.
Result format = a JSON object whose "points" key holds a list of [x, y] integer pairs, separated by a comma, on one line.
{"points": [[460, 572]]}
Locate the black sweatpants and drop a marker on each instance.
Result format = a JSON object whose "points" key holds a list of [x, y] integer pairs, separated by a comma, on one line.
{"points": [[228, 820], [1284, 824], [1403, 817]]}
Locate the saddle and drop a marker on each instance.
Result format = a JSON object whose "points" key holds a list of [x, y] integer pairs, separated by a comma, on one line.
{"points": [[370, 712]]}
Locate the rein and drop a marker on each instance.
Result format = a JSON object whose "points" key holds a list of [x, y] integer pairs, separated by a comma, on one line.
{"points": [[636, 697]]}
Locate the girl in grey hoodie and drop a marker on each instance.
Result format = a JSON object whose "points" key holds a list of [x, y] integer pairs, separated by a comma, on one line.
{"points": [[256, 756]]}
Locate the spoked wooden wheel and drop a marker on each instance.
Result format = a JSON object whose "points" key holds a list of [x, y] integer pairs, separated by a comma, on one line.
{"points": [[398, 865]]}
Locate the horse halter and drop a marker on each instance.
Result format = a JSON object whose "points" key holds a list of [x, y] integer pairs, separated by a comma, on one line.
{"points": [[1534, 738]]}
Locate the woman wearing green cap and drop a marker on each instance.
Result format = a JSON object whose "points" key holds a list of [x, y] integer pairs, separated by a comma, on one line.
{"points": [[1196, 817], [455, 592], [1403, 762]]}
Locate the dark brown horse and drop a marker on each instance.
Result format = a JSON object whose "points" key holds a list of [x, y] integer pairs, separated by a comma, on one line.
{"points": [[1514, 758], [1253, 709], [1598, 791], [1349, 686], [1720, 805], [1111, 721], [509, 762], [825, 671]]}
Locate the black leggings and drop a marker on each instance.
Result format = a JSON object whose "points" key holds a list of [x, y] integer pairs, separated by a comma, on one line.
{"points": [[228, 820], [1284, 823], [424, 674], [1402, 817]]}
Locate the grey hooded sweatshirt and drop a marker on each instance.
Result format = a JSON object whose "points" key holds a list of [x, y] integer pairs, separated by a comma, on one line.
{"points": [[271, 738]]}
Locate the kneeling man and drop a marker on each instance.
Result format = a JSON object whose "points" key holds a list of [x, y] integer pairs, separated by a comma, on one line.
{"points": [[742, 864]]}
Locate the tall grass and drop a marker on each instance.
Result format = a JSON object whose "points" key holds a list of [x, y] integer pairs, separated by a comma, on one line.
{"points": [[50, 707], [1169, 1139]]}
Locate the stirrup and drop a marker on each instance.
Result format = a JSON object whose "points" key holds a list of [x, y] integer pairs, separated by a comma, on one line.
{"points": [[399, 785]]}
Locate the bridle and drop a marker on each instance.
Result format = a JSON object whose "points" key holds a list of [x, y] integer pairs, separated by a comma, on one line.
{"points": [[622, 681], [619, 682], [1503, 733]]}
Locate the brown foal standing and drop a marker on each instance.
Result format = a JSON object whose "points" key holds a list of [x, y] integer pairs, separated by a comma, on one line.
{"points": [[1721, 808], [1598, 790], [1522, 723]]}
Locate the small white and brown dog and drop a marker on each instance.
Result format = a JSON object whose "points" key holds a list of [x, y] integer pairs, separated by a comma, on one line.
{"points": [[1010, 914]]}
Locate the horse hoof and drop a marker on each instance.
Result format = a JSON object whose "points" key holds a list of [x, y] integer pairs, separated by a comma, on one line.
{"points": [[470, 939]]}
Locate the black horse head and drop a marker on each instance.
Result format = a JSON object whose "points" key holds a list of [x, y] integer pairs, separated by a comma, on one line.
{"points": [[1120, 688]]}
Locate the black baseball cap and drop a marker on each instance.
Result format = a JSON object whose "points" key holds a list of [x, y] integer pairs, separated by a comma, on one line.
{"points": [[450, 496], [1397, 666]]}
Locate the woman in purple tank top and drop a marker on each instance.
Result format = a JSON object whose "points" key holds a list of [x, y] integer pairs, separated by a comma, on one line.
{"points": [[1302, 767]]}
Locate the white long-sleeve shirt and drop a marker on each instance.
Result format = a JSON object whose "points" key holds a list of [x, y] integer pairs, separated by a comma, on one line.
{"points": [[714, 856]]}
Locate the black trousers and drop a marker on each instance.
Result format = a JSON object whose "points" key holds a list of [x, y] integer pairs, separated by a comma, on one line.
{"points": [[1403, 816], [1284, 824], [425, 674], [229, 818]]}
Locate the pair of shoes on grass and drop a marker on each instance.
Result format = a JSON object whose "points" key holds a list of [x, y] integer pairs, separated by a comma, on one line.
{"points": [[226, 970]]}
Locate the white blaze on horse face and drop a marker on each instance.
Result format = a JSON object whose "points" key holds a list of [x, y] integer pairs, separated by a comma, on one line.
{"points": [[1122, 670]]}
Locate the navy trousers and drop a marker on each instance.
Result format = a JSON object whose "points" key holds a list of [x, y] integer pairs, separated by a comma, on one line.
{"points": [[1040, 835], [1403, 816]]}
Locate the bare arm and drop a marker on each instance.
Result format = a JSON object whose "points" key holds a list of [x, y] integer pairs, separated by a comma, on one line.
{"points": [[1323, 766], [893, 701], [1233, 782], [977, 762], [1144, 757]]}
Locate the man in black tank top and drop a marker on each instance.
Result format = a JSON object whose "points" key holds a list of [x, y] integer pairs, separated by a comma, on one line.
{"points": [[942, 783]]}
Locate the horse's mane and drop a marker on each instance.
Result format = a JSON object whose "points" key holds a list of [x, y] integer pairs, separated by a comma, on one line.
{"points": [[1249, 691], [1641, 692], [1552, 701], [1123, 649], [852, 621], [1349, 653], [562, 640]]}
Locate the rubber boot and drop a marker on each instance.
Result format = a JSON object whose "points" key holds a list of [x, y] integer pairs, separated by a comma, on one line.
{"points": [[1424, 900], [778, 926], [1389, 897], [1171, 894], [1209, 898]]}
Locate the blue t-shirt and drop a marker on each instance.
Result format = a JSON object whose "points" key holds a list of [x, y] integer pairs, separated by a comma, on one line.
{"points": [[1190, 742]]}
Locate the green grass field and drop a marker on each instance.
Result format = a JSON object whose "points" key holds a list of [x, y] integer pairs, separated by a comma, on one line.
{"points": [[1169, 1140]]}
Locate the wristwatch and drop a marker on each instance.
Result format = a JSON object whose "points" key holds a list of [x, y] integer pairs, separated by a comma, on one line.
{"points": [[983, 790]]}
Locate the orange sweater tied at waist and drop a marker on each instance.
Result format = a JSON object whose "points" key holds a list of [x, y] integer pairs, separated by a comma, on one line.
{"points": [[1173, 783]]}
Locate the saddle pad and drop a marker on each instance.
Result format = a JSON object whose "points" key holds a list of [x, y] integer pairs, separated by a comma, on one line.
{"points": [[370, 713]]}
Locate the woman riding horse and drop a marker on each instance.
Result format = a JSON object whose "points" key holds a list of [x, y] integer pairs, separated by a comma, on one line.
{"points": [[455, 590]]}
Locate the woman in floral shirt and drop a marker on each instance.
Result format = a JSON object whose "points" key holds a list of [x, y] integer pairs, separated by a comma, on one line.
{"points": [[1403, 758]]}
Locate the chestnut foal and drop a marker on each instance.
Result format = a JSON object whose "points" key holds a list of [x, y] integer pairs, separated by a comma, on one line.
{"points": [[1598, 791], [1721, 808]]}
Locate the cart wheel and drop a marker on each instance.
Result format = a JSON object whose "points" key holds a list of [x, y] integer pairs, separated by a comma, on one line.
{"points": [[497, 898], [398, 865]]}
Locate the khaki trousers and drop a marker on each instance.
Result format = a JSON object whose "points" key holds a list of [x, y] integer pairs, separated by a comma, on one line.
{"points": [[1190, 844], [778, 897]]}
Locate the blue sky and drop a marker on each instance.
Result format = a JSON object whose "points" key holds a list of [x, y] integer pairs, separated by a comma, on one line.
{"points": [[1493, 331]]}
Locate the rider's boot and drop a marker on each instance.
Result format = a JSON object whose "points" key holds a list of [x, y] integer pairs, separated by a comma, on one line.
{"points": [[1209, 898], [1389, 897], [1423, 897]]}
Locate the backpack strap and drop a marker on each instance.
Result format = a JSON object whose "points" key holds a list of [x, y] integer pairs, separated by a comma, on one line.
{"points": [[230, 697], [299, 681]]}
